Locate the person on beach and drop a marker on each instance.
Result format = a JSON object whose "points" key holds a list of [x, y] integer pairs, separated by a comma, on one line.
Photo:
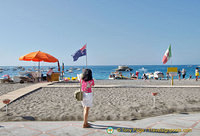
{"points": [[167, 75], [133, 76], [179, 74], [87, 83], [49, 73], [137, 74], [197, 73], [144, 76], [190, 77], [183, 73]]}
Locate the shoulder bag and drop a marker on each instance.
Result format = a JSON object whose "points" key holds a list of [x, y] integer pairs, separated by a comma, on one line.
{"points": [[78, 94]]}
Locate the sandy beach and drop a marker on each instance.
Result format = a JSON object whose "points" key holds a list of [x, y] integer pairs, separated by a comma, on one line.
{"points": [[127, 103]]}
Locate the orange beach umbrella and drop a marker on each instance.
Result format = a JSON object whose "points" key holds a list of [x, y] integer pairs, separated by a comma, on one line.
{"points": [[38, 56]]}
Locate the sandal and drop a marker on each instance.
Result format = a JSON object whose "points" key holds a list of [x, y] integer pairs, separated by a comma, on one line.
{"points": [[86, 125]]}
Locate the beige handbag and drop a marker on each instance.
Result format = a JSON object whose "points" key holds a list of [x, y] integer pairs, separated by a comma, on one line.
{"points": [[78, 94]]}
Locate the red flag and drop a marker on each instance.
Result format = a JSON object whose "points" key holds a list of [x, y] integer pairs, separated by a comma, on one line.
{"points": [[58, 66]]}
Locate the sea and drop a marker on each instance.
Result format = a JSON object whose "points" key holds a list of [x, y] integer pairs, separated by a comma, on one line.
{"points": [[99, 72]]}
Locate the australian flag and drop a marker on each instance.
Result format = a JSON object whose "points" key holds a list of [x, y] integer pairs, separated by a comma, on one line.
{"points": [[79, 53]]}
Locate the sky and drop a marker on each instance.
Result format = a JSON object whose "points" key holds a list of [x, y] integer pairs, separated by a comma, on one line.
{"points": [[117, 32]]}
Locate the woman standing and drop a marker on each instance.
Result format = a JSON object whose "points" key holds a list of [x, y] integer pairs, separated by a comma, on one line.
{"points": [[87, 83]]}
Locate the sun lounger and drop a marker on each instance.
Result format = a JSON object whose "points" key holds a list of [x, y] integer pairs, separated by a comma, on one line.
{"points": [[36, 76], [16, 79], [25, 77]]}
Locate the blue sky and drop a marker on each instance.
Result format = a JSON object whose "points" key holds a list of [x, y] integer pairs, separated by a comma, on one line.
{"points": [[132, 32]]}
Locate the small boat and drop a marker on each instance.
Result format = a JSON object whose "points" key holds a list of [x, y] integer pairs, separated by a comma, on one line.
{"points": [[29, 69], [70, 71], [1, 71], [19, 67], [124, 68], [22, 69], [158, 75], [78, 69]]}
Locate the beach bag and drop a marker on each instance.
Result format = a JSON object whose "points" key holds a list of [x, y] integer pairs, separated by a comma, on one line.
{"points": [[78, 94]]}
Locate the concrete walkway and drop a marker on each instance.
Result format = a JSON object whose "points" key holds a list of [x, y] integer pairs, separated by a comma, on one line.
{"points": [[181, 124], [21, 92]]}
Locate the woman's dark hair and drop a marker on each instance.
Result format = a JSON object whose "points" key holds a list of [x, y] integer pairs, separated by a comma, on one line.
{"points": [[87, 75]]}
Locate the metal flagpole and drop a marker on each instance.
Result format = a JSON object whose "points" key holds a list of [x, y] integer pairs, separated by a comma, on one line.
{"points": [[171, 60], [171, 54], [86, 55], [172, 82]]}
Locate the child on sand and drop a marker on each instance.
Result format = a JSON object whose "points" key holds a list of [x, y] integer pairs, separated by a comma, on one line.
{"points": [[87, 83]]}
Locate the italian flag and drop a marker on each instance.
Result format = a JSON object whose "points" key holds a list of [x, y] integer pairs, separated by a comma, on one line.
{"points": [[167, 55]]}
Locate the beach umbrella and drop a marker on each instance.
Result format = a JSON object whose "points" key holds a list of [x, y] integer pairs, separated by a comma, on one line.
{"points": [[6, 76], [39, 56]]}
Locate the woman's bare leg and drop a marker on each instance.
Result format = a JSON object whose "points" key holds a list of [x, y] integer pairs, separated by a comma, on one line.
{"points": [[85, 115]]}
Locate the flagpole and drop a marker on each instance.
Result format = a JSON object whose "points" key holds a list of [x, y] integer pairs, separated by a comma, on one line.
{"points": [[86, 55], [171, 54]]}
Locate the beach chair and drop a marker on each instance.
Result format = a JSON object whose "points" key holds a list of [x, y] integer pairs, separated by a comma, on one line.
{"points": [[16, 79], [36, 76], [26, 77], [55, 76]]}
